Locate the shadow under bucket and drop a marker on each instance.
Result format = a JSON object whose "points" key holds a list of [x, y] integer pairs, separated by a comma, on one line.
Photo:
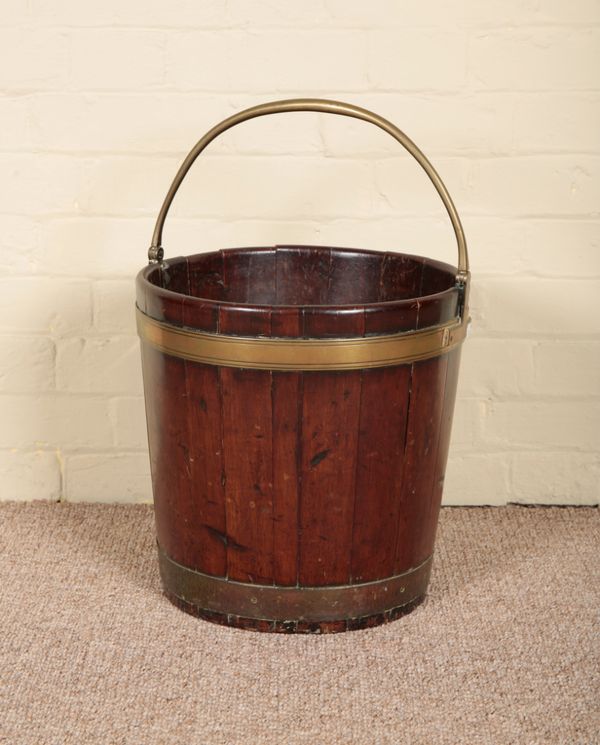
{"points": [[299, 402]]}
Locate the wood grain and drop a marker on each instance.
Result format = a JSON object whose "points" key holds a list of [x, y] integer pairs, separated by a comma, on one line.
{"points": [[330, 411], [445, 428], [298, 478], [287, 453], [206, 469], [248, 460], [169, 440], [381, 432], [426, 398]]}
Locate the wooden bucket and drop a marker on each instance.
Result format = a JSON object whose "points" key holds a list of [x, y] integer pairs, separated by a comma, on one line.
{"points": [[299, 403]]}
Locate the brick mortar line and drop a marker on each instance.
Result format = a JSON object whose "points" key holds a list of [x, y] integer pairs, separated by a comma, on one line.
{"points": [[224, 217], [381, 157], [274, 93], [439, 94], [243, 26], [437, 219], [467, 155]]}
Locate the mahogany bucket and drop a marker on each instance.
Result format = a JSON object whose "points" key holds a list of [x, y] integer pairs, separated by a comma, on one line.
{"points": [[299, 401]]}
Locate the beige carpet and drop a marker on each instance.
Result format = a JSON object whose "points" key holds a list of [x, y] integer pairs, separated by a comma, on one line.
{"points": [[505, 650]]}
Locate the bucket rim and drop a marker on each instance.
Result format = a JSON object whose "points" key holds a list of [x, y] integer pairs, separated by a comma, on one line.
{"points": [[146, 271]]}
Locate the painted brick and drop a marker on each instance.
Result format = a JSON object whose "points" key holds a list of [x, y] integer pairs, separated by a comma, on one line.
{"points": [[230, 187], [99, 365], [428, 236], [573, 118], [149, 13], [29, 476], [405, 189], [566, 368], [115, 477], [198, 61], [534, 306], [19, 241], [14, 12], [42, 184], [480, 123], [385, 14], [543, 247], [26, 364], [49, 306], [314, 61], [129, 420], [542, 425], [287, 188], [469, 415], [54, 420], [478, 478], [494, 367], [401, 60], [108, 59], [100, 104], [535, 59], [178, 121], [511, 13], [294, 133], [16, 130], [185, 236], [129, 187], [93, 247], [555, 478], [32, 59], [549, 186], [266, 13], [508, 368], [114, 307]]}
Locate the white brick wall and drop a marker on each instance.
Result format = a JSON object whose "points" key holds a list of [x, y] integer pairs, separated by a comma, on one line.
{"points": [[99, 101]]}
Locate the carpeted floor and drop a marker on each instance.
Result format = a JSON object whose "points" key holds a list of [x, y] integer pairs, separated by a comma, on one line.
{"points": [[506, 649]]}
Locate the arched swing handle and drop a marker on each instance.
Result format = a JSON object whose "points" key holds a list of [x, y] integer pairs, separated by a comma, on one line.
{"points": [[155, 253]]}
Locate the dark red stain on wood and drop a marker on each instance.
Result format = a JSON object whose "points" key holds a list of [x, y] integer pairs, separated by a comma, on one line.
{"points": [[431, 521], [286, 395], [206, 467], [382, 432], [248, 459], [169, 441], [425, 401], [329, 423], [310, 478]]}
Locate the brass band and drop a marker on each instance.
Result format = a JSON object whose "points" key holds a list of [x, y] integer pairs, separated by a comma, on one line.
{"points": [[275, 353], [277, 603]]}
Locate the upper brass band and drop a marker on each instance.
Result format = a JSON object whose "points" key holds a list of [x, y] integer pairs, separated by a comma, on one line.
{"points": [[276, 353]]}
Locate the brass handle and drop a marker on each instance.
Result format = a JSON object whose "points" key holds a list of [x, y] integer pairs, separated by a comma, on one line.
{"points": [[155, 253]]}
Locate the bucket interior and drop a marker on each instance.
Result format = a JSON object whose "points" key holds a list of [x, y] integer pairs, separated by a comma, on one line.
{"points": [[304, 275]]}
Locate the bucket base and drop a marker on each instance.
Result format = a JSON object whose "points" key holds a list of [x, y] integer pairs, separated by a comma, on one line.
{"points": [[295, 627], [293, 609]]}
